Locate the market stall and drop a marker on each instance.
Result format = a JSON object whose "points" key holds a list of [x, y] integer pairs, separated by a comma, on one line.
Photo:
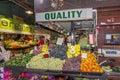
{"points": [[17, 36], [61, 59]]}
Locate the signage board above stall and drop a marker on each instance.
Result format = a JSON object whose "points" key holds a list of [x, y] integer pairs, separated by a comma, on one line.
{"points": [[65, 15], [7, 25]]}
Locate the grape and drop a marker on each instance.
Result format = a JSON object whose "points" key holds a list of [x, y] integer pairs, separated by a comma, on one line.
{"points": [[59, 51], [45, 63]]}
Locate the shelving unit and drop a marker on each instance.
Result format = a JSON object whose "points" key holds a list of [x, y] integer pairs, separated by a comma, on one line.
{"points": [[101, 76]]}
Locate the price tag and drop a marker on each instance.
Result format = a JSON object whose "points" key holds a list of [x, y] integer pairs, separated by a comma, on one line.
{"points": [[72, 49], [44, 48], [84, 55]]}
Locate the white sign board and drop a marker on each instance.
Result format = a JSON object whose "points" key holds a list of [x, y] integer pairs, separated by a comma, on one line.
{"points": [[60, 41], [111, 53], [65, 15]]}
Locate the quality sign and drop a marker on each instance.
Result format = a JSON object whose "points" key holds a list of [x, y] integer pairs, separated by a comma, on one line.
{"points": [[65, 15]]}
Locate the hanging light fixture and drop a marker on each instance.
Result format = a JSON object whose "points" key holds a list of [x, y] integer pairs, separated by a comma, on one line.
{"points": [[57, 4], [29, 12]]}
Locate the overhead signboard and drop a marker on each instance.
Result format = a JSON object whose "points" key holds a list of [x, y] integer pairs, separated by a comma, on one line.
{"points": [[7, 25], [65, 15]]}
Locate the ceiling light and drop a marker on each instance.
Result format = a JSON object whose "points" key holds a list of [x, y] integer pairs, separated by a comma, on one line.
{"points": [[29, 12]]}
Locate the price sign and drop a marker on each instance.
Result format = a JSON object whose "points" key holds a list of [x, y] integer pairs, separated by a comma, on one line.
{"points": [[72, 49], [84, 55], [44, 48]]}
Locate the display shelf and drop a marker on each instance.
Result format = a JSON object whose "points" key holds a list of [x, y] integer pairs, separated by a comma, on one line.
{"points": [[21, 48], [92, 75], [18, 69]]}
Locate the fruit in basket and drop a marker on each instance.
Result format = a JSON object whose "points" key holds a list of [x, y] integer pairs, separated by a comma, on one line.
{"points": [[89, 63]]}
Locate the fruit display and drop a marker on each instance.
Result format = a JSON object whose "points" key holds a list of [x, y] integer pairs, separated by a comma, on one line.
{"points": [[116, 69], [18, 61], [32, 43], [58, 51], [18, 44], [73, 51], [39, 62], [89, 63], [72, 64]]}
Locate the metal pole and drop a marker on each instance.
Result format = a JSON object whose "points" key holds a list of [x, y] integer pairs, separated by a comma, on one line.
{"points": [[72, 34]]}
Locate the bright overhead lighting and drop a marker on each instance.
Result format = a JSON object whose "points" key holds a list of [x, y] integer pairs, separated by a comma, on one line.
{"points": [[29, 12]]}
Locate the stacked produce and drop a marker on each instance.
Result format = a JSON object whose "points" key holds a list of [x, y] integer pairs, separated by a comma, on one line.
{"points": [[14, 44], [73, 51], [89, 63], [72, 64], [58, 51], [18, 44], [18, 61], [41, 62], [32, 42]]}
